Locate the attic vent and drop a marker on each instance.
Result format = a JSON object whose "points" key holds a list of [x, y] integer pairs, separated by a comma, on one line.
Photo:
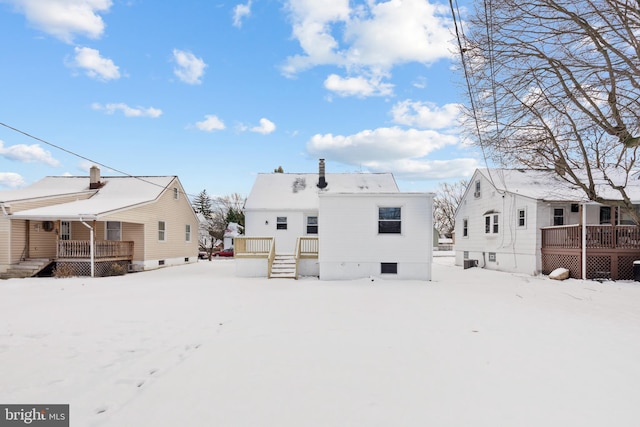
{"points": [[299, 184]]}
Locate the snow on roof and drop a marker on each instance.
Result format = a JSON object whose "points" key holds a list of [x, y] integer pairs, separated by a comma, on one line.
{"points": [[290, 191], [116, 193], [547, 185]]}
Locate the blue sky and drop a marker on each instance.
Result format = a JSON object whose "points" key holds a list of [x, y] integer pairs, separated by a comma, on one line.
{"points": [[215, 92]]}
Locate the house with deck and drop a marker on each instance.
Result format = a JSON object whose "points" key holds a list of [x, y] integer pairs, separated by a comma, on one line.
{"points": [[89, 224], [532, 221], [335, 226]]}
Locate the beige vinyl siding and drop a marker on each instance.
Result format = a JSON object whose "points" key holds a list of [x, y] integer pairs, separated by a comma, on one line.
{"points": [[5, 235], [42, 244], [18, 240], [134, 233], [175, 213]]}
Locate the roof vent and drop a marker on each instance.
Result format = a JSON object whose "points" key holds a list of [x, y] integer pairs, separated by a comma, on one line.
{"points": [[322, 182]]}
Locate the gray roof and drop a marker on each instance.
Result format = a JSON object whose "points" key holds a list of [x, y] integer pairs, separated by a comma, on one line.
{"points": [[116, 194], [291, 191], [547, 185]]}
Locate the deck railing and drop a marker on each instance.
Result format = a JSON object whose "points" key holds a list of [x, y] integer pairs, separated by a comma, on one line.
{"points": [[307, 247], [252, 246], [597, 237], [77, 249]]}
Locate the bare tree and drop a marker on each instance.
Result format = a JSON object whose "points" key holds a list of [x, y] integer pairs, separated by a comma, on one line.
{"points": [[555, 84], [445, 204], [226, 209]]}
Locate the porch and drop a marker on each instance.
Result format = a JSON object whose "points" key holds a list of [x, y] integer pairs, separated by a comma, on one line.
{"points": [[278, 265], [75, 255], [610, 250]]}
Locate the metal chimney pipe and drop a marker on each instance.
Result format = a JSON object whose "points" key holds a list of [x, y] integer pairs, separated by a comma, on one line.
{"points": [[322, 182]]}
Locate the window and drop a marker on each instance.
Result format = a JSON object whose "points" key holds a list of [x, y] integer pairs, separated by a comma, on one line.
{"points": [[162, 228], [491, 223], [113, 230], [187, 232], [477, 192], [389, 268], [558, 216], [465, 227], [175, 193], [281, 223], [522, 218], [605, 215], [389, 220], [312, 225], [465, 254], [65, 230]]}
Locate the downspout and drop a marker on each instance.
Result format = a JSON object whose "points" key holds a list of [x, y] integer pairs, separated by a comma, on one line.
{"points": [[584, 241], [91, 248]]}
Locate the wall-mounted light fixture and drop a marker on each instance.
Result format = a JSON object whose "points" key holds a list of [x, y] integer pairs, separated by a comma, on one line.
{"points": [[266, 222]]}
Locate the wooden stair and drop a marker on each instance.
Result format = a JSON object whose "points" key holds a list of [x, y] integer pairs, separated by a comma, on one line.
{"points": [[284, 267], [26, 268]]}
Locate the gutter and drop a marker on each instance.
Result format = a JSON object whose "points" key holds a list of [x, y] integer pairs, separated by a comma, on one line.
{"points": [[4, 211]]}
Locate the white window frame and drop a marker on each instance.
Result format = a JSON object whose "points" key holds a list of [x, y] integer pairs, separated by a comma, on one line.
{"points": [[65, 230], [187, 232], [492, 223], [162, 231], [307, 225], [465, 228], [176, 193], [477, 193], [554, 216], [522, 218], [108, 230], [390, 220], [281, 223]]}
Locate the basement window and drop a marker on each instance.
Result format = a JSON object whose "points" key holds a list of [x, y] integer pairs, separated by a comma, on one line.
{"points": [[389, 268]]}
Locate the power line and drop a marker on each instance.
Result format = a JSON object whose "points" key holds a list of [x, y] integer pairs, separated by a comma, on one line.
{"points": [[85, 158]]}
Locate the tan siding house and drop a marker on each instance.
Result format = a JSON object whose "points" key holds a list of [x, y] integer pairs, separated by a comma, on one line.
{"points": [[92, 223]]}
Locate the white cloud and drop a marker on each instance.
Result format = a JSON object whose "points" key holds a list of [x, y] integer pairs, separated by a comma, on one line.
{"points": [[265, 128], [357, 86], [94, 65], [128, 111], [425, 114], [210, 123], [379, 144], [369, 38], [11, 180], [190, 68], [27, 154], [239, 12], [65, 18], [403, 152]]}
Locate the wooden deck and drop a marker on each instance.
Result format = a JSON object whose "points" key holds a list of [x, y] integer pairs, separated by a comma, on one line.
{"points": [[610, 250]]}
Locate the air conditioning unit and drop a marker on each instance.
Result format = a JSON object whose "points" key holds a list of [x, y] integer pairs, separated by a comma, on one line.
{"points": [[469, 263], [476, 194]]}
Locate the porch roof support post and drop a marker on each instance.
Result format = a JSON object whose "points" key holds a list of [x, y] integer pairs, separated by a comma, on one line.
{"points": [[91, 247], [584, 241]]}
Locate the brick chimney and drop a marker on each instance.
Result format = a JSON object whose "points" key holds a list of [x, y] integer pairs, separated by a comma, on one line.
{"points": [[322, 182], [94, 178]]}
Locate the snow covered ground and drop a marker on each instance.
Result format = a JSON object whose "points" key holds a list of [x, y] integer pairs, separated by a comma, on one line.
{"points": [[196, 346]]}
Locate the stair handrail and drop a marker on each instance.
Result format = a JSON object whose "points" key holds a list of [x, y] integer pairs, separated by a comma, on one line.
{"points": [[272, 255], [297, 255]]}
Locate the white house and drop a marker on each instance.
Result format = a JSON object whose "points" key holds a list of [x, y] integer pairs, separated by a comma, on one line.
{"points": [[232, 231], [532, 221], [336, 226]]}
